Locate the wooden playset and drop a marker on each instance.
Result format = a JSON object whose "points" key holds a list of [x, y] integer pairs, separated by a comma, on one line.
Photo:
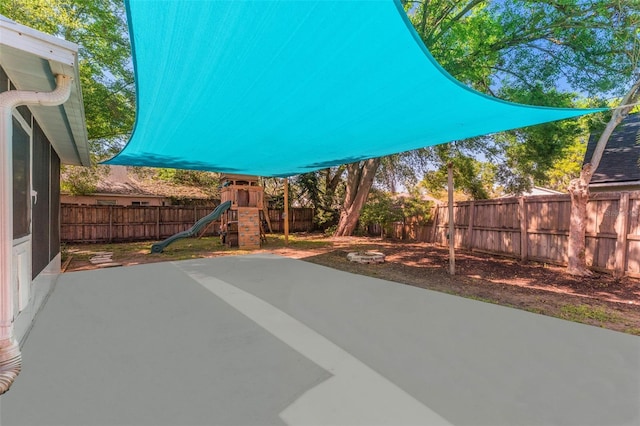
{"points": [[242, 225]]}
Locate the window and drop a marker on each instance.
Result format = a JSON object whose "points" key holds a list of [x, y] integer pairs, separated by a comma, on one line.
{"points": [[106, 202], [139, 203], [21, 180]]}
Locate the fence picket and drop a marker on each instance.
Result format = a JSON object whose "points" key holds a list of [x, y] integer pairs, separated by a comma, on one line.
{"points": [[94, 224], [537, 228]]}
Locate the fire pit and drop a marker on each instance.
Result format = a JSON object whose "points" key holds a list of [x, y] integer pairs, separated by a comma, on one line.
{"points": [[366, 257]]}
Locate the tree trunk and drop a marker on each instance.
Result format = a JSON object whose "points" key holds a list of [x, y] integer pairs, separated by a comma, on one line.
{"points": [[579, 189], [359, 181]]}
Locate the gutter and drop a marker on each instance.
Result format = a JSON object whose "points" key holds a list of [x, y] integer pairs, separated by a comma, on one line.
{"points": [[10, 356], [618, 183]]}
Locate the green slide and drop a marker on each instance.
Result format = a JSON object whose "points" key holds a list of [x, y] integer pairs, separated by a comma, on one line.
{"points": [[159, 247]]}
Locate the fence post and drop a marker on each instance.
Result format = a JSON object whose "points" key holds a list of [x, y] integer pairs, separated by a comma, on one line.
{"points": [[622, 228], [472, 215], [452, 225], [84, 225], [110, 223], [157, 222], [522, 213], [286, 211]]}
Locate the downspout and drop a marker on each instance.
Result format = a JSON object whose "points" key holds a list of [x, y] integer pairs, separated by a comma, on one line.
{"points": [[10, 357]]}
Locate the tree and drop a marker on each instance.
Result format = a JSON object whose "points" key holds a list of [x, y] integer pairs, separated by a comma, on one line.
{"points": [[521, 50], [82, 180], [380, 209], [360, 177], [568, 165], [533, 52], [527, 155], [322, 191], [99, 28], [579, 188], [473, 178]]}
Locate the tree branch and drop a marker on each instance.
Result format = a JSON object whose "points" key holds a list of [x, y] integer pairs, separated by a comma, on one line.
{"points": [[446, 27]]}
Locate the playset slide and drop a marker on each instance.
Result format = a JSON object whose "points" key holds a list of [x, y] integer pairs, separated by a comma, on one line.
{"points": [[159, 247]]}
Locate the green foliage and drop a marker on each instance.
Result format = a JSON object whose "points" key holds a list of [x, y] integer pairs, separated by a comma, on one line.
{"points": [[381, 209], [414, 206], [568, 165], [323, 191], [197, 178], [274, 192], [588, 45], [458, 34], [529, 153], [99, 28], [471, 177], [400, 170], [531, 51], [78, 180]]}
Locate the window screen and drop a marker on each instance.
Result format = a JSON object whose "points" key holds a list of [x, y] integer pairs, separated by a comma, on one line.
{"points": [[40, 209], [21, 184], [54, 241]]}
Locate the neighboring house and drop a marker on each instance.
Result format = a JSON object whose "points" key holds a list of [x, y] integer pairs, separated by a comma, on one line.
{"points": [[42, 124], [535, 191], [539, 190], [401, 196], [619, 169], [123, 186]]}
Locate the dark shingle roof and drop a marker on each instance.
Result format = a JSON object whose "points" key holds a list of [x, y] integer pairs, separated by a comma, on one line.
{"points": [[620, 158]]}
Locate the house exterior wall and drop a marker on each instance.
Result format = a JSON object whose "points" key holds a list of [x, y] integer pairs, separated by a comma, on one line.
{"points": [[36, 192]]}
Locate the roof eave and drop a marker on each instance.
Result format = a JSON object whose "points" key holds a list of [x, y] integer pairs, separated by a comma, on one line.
{"points": [[614, 183], [32, 59]]}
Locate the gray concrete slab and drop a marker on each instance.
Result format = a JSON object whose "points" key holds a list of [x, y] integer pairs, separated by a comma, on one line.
{"points": [[267, 340], [148, 346]]}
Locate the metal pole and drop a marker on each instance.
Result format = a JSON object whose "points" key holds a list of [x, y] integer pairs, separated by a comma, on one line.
{"points": [[452, 253]]}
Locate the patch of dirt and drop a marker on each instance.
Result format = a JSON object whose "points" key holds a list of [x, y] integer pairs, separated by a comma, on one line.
{"points": [[601, 300]]}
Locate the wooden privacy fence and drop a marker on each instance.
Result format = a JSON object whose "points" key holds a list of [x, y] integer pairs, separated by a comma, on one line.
{"points": [[93, 223], [300, 219], [537, 228]]}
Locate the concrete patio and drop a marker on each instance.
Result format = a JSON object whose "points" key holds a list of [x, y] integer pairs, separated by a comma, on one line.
{"points": [[266, 340]]}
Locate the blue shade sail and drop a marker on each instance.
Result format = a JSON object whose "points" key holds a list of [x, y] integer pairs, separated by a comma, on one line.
{"points": [[277, 88]]}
